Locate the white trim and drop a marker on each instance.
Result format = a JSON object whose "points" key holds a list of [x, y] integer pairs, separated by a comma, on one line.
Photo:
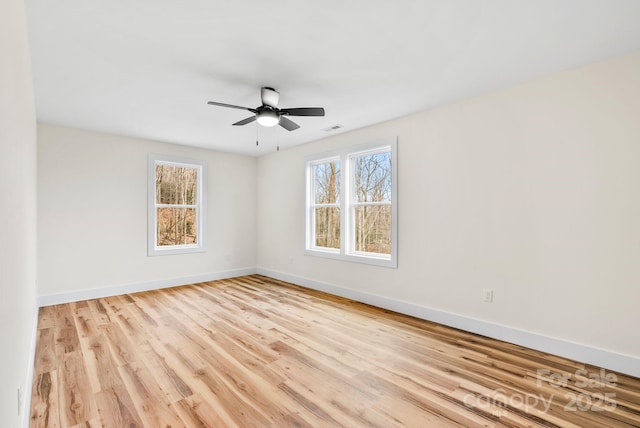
{"points": [[611, 360], [96, 293], [311, 205], [201, 206], [28, 386]]}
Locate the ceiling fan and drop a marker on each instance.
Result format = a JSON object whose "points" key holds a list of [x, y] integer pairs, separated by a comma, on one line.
{"points": [[268, 114]]}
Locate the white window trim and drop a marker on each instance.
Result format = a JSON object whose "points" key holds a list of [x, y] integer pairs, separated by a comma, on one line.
{"points": [[311, 205], [346, 219], [201, 207]]}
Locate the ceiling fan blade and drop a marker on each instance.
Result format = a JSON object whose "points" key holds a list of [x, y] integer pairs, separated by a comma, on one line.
{"points": [[287, 124], [269, 96], [245, 121], [303, 111], [213, 103]]}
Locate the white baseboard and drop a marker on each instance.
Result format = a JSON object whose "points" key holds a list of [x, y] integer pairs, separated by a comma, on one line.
{"points": [[28, 386], [587, 354], [97, 293]]}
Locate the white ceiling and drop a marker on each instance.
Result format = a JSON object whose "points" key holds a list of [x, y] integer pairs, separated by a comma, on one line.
{"points": [[146, 68]]}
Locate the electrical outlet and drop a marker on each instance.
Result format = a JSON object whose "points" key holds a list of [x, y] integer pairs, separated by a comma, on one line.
{"points": [[488, 295], [19, 401]]}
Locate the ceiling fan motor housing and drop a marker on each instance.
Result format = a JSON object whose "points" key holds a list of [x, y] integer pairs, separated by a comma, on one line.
{"points": [[270, 96]]}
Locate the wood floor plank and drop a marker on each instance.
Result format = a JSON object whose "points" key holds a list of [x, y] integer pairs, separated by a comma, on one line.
{"points": [[196, 412], [98, 312], [85, 324], [151, 402], [44, 401], [65, 333], [102, 365], [116, 408], [75, 396], [46, 317], [257, 352], [48, 360]]}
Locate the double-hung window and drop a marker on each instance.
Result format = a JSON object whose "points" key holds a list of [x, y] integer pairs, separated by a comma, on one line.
{"points": [[352, 204], [324, 204], [176, 205]]}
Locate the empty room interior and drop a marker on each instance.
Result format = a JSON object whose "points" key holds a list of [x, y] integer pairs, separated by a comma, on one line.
{"points": [[366, 213]]}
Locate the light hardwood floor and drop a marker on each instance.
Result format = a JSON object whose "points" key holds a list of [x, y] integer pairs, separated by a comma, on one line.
{"points": [[256, 352]]}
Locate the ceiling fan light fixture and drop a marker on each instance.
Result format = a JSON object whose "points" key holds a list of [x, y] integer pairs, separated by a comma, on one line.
{"points": [[268, 117]]}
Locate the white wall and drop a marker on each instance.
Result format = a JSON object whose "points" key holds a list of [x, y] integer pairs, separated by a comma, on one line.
{"points": [[92, 214], [17, 210], [532, 191]]}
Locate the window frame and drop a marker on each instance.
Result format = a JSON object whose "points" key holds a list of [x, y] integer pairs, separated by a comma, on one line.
{"points": [[152, 206], [312, 205], [347, 204]]}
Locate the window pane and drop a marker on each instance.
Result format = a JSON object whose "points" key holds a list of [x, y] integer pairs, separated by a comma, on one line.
{"points": [[326, 182], [373, 228], [176, 226], [176, 185], [372, 177], [327, 227]]}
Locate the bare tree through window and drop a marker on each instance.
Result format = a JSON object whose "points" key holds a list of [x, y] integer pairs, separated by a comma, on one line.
{"points": [[176, 203], [372, 203], [326, 193]]}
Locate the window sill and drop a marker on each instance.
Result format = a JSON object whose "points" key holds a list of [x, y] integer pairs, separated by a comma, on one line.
{"points": [[178, 249], [364, 258]]}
